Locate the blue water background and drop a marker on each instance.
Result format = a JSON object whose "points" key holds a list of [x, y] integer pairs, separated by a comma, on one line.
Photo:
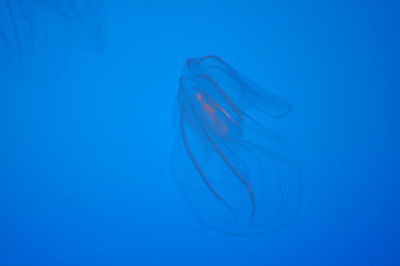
{"points": [[84, 159]]}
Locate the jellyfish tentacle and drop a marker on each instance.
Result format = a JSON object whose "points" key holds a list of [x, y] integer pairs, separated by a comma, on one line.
{"points": [[236, 173], [198, 168], [232, 168]]}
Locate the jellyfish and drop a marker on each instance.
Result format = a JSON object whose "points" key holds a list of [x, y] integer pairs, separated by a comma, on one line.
{"points": [[236, 173], [36, 36]]}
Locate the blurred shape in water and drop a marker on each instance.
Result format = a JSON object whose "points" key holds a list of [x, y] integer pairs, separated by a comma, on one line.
{"points": [[36, 36]]}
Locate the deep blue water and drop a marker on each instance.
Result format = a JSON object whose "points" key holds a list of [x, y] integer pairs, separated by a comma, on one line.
{"points": [[87, 108]]}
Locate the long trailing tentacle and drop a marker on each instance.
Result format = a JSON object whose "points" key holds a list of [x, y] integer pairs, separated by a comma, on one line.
{"points": [[229, 165], [197, 166]]}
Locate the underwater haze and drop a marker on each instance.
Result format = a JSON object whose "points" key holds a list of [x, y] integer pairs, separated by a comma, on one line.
{"points": [[206, 132]]}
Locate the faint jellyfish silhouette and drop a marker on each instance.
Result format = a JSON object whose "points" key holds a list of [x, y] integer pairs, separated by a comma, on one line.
{"points": [[237, 175], [84, 20], [36, 38]]}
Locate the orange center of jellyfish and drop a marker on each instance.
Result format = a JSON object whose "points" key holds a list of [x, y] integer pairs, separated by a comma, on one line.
{"points": [[212, 117]]}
